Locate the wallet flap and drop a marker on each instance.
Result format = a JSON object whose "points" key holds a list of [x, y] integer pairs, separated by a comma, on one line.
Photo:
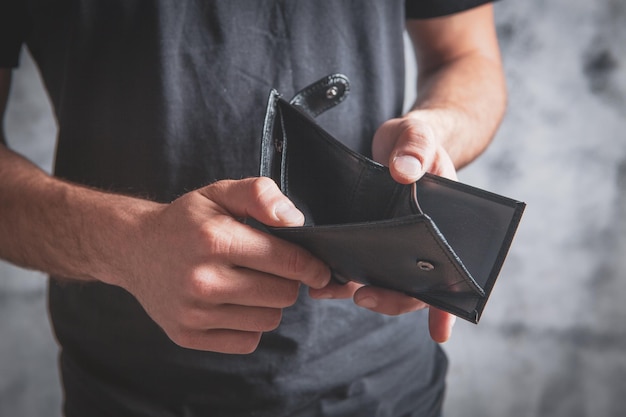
{"points": [[479, 225], [322, 95], [405, 254]]}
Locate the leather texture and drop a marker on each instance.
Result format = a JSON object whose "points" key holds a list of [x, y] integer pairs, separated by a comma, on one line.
{"points": [[322, 95], [437, 240]]}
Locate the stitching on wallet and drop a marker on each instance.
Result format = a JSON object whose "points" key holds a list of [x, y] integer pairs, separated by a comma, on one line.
{"points": [[284, 162], [447, 255]]}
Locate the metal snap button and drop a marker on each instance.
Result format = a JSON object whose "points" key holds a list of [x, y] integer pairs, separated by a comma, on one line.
{"points": [[425, 265], [332, 92], [278, 144]]}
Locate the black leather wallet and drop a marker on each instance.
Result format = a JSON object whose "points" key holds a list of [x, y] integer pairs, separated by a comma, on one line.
{"points": [[437, 240]]}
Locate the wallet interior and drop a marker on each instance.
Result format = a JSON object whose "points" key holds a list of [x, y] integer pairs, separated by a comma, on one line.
{"points": [[330, 183]]}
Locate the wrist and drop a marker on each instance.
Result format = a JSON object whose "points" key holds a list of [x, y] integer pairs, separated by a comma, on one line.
{"points": [[117, 243]]}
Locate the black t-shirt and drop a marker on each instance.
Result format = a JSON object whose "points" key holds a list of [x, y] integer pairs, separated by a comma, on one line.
{"points": [[155, 98]]}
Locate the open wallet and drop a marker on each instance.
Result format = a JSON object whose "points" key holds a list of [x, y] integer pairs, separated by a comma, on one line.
{"points": [[438, 240]]}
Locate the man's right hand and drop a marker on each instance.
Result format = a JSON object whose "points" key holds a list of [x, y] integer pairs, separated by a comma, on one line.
{"points": [[211, 282]]}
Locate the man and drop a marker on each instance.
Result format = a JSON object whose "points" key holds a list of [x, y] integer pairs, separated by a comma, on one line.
{"points": [[156, 286]]}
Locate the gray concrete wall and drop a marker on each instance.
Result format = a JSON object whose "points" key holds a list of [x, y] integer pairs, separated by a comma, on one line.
{"points": [[552, 341], [29, 381]]}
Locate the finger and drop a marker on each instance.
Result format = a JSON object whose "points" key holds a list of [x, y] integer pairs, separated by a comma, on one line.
{"points": [[259, 198], [335, 290], [413, 152], [241, 286], [443, 165], [440, 324], [244, 246], [232, 317], [220, 340], [384, 141], [387, 302]]}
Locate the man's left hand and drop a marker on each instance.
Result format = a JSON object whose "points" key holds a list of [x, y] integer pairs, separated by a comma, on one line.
{"points": [[410, 147]]}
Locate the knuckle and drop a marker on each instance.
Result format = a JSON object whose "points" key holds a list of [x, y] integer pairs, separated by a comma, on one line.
{"points": [[218, 240], [185, 201], [215, 188], [201, 285], [418, 134], [204, 287], [260, 187], [209, 238]]}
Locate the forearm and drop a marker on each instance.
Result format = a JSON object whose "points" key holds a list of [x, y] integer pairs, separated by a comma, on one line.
{"points": [[467, 98], [60, 228], [461, 84]]}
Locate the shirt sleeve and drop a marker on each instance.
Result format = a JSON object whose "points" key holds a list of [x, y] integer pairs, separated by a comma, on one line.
{"points": [[14, 25], [424, 9]]}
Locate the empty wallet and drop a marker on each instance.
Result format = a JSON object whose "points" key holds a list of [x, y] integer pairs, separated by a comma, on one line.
{"points": [[438, 240]]}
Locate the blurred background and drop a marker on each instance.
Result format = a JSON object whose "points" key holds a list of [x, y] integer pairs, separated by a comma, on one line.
{"points": [[552, 340]]}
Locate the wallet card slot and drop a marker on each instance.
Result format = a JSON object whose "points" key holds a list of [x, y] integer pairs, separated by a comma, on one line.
{"points": [[479, 225], [393, 265]]}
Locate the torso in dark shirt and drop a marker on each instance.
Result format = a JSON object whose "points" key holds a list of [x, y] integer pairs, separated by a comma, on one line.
{"points": [[155, 98]]}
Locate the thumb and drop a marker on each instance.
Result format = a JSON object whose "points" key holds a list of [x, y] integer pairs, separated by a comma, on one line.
{"points": [[407, 145], [258, 197]]}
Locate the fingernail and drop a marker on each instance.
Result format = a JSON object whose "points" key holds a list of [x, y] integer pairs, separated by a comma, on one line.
{"points": [[368, 302], [288, 213], [408, 166]]}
